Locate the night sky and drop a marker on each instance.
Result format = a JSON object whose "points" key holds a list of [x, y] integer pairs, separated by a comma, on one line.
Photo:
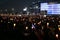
{"points": [[18, 3]]}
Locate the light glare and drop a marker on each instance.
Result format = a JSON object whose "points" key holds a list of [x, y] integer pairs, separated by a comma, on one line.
{"points": [[26, 28], [57, 35], [14, 24]]}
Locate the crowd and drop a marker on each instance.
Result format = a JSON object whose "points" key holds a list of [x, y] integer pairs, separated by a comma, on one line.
{"points": [[29, 27]]}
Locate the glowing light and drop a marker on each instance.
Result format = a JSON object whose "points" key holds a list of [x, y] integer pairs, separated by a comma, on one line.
{"points": [[25, 9], [26, 28], [57, 35], [58, 26], [47, 24], [44, 15], [37, 7], [33, 27], [34, 23], [14, 24], [59, 29], [19, 15]]}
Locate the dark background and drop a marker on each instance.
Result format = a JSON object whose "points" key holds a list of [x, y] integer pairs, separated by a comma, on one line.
{"points": [[19, 3]]}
